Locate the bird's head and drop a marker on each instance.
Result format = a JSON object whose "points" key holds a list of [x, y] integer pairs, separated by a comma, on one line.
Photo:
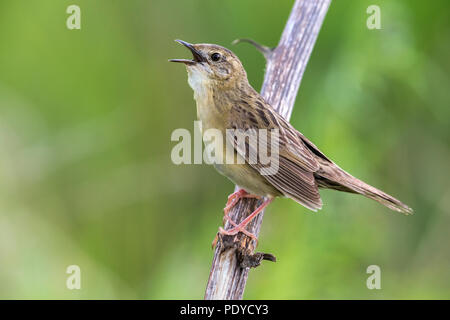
{"points": [[212, 65]]}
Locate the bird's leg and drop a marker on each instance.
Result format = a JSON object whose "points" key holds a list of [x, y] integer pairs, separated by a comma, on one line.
{"points": [[245, 222], [233, 199]]}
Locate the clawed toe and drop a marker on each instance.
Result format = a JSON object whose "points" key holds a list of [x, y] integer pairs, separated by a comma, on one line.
{"points": [[232, 201], [233, 232], [236, 230]]}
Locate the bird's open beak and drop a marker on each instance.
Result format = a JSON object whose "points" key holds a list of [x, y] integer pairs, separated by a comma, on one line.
{"points": [[197, 57]]}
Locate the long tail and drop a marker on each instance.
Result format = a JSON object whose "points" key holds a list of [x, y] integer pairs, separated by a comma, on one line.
{"points": [[333, 177]]}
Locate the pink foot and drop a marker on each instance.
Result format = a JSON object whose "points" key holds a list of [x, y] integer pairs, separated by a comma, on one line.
{"points": [[242, 226], [233, 199]]}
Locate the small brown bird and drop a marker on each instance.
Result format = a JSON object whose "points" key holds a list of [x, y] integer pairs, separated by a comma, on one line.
{"points": [[225, 100]]}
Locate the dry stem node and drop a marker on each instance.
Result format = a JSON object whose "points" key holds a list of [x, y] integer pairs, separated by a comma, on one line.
{"points": [[244, 250]]}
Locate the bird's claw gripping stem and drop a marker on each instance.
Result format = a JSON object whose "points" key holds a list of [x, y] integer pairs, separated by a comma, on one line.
{"points": [[232, 201]]}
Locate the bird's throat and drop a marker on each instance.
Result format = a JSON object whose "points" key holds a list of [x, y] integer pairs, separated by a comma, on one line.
{"points": [[200, 83]]}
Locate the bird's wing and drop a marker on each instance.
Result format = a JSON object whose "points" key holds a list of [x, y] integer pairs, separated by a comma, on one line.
{"points": [[296, 162]]}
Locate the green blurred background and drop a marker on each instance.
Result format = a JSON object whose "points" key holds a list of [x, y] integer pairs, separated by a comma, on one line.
{"points": [[86, 177]]}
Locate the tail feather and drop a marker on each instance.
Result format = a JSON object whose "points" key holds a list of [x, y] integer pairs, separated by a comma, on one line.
{"points": [[333, 177]]}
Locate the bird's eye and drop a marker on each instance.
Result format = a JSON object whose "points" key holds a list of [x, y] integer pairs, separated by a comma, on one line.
{"points": [[215, 56]]}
